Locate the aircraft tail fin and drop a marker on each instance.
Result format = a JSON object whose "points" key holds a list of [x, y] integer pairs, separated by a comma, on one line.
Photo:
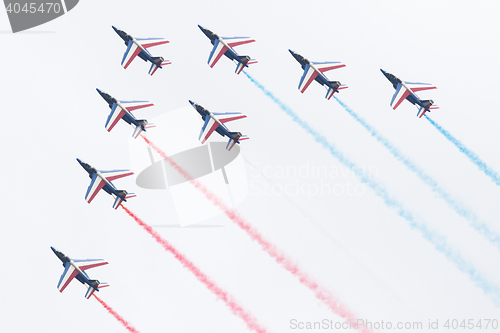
{"points": [[236, 137], [333, 87], [244, 62], [158, 63], [143, 125], [93, 286], [137, 131], [122, 196], [428, 106]]}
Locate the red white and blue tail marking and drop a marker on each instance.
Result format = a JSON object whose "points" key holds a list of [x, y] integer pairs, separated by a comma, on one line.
{"points": [[240, 66], [331, 91], [154, 66], [422, 110]]}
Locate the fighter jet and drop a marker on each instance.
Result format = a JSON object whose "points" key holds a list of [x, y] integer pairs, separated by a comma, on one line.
{"points": [[224, 46], [215, 122], [123, 110], [314, 71], [407, 90], [74, 268], [102, 180], [138, 46]]}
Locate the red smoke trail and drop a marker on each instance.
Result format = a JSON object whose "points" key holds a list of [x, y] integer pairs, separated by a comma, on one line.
{"points": [[116, 315], [321, 293], [236, 309]]}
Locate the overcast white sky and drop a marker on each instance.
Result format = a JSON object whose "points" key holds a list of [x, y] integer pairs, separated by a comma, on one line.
{"points": [[363, 251]]}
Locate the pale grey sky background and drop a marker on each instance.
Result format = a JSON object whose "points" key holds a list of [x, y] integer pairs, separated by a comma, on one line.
{"points": [[52, 115]]}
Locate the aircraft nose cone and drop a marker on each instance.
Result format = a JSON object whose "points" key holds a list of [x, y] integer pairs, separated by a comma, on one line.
{"points": [[192, 103], [56, 251], [385, 74]]}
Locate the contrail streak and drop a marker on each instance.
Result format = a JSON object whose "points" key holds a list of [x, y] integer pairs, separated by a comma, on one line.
{"points": [[454, 204], [321, 293], [438, 241], [325, 232], [117, 316], [470, 154], [230, 302]]}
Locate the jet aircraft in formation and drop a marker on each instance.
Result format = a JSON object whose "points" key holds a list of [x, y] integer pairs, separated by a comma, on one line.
{"points": [[103, 180], [75, 268], [215, 122], [137, 47], [123, 110], [314, 71], [224, 46], [407, 90]]}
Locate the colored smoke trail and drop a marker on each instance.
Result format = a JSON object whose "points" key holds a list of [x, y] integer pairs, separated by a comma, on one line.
{"points": [[438, 241], [321, 293], [458, 207], [116, 315], [470, 155], [328, 235], [235, 308]]}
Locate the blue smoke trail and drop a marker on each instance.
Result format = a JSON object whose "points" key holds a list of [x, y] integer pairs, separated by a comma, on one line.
{"points": [[453, 203], [471, 155], [436, 240]]}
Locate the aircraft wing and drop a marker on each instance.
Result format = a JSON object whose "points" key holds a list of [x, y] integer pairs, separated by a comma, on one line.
{"points": [[328, 66], [399, 96], [95, 186], [416, 86], [217, 52], [148, 42], [69, 274], [135, 105], [230, 116], [235, 41], [84, 264], [208, 128], [116, 114], [132, 51], [115, 174], [309, 75]]}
